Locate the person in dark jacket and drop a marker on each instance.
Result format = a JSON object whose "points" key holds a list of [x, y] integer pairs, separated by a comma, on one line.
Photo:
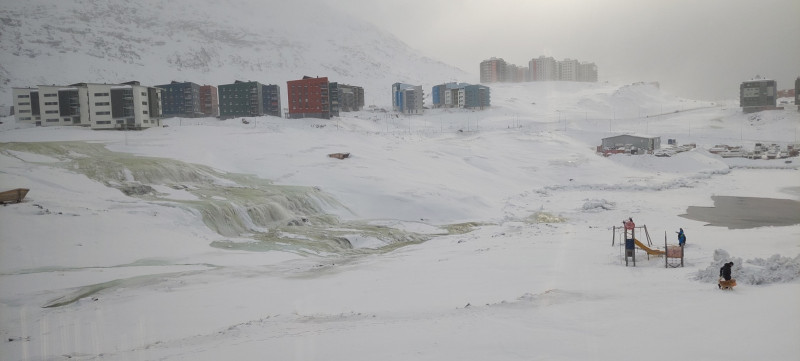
{"points": [[725, 271], [681, 238]]}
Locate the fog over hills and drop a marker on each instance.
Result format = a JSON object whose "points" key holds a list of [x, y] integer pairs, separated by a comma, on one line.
{"points": [[206, 42]]}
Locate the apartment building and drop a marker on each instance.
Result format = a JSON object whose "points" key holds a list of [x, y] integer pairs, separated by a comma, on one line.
{"points": [[461, 95], [543, 68], [271, 99], [241, 99], [587, 72], [442, 95], [475, 97], [568, 70], [309, 98], [348, 98], [493, 70], [515, 74], [180, 99], [407, 98], [119, 106], [209, 102], [100, 106]]}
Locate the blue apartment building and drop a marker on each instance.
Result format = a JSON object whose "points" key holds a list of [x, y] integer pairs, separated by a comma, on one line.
{"points": [[180, 100]]}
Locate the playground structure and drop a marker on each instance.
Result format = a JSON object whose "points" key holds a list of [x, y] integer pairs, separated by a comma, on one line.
{"points": [[673, 254]]}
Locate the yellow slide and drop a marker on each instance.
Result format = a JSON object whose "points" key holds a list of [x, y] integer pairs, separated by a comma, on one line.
{"points": [[654, 252]]}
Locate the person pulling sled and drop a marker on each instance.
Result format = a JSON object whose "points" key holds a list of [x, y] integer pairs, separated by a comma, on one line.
{"points": [[725, 280]]}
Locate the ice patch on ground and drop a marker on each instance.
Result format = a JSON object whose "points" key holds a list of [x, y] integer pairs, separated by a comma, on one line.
{"points": [[758, 271]]}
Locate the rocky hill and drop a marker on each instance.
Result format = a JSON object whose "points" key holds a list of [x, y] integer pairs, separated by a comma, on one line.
{"points": [[203, 41]]}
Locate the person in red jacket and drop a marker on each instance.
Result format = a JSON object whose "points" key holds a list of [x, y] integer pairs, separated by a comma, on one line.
{"points": [[629, 226]]}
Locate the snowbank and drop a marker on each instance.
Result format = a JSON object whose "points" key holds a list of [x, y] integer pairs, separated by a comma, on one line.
{"points": [[756, 271]]}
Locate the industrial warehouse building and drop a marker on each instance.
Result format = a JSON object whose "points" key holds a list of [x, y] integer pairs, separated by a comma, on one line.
{"points": [[630, 142], [757, 95]]}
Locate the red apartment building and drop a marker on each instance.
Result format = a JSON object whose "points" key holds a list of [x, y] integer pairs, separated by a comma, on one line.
{"points": [[309, 98], [209, 103], [493, 70]]}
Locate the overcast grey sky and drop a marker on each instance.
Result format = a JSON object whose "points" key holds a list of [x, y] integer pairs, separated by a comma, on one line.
{"points": [[701, 49]]}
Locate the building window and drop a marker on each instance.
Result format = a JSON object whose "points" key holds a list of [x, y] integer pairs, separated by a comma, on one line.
{"points": [[25, 118], [101, 94], [51, 120], [102, 103], [144, 94], [102, 113], [24, 111], [48, 95], [26, 96], [51, 112], [25, 103], [144, 112], [144, 103], [102, 122], [50, 103]]}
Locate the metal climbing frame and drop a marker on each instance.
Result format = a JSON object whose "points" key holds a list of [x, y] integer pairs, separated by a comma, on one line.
{"points": [[629, 245], [644, 227], [673, 254]]}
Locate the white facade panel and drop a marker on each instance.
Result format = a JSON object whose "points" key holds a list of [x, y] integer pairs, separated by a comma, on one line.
{"points": [[48, 105], [99, 105], [22, 105]]}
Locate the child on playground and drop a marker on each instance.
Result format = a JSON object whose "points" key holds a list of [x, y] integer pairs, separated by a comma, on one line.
{"points": [[681, 238], [629, 223], [629, 226]]}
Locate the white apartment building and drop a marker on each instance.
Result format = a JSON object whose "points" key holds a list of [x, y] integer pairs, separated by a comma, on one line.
{"points": [[543, 68], [100, 106], [568, 70]]}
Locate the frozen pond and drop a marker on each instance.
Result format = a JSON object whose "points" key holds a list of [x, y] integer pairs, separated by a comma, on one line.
{"points": [[747, 212]]}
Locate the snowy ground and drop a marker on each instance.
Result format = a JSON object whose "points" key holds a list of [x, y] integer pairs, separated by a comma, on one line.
{"points": [[454, 235]]}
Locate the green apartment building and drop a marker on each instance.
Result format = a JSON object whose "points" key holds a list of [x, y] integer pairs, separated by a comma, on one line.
{"points": [[240, 99]]}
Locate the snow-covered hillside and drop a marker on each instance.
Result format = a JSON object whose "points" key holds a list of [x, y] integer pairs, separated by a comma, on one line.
{"points": [[206, 42]]}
